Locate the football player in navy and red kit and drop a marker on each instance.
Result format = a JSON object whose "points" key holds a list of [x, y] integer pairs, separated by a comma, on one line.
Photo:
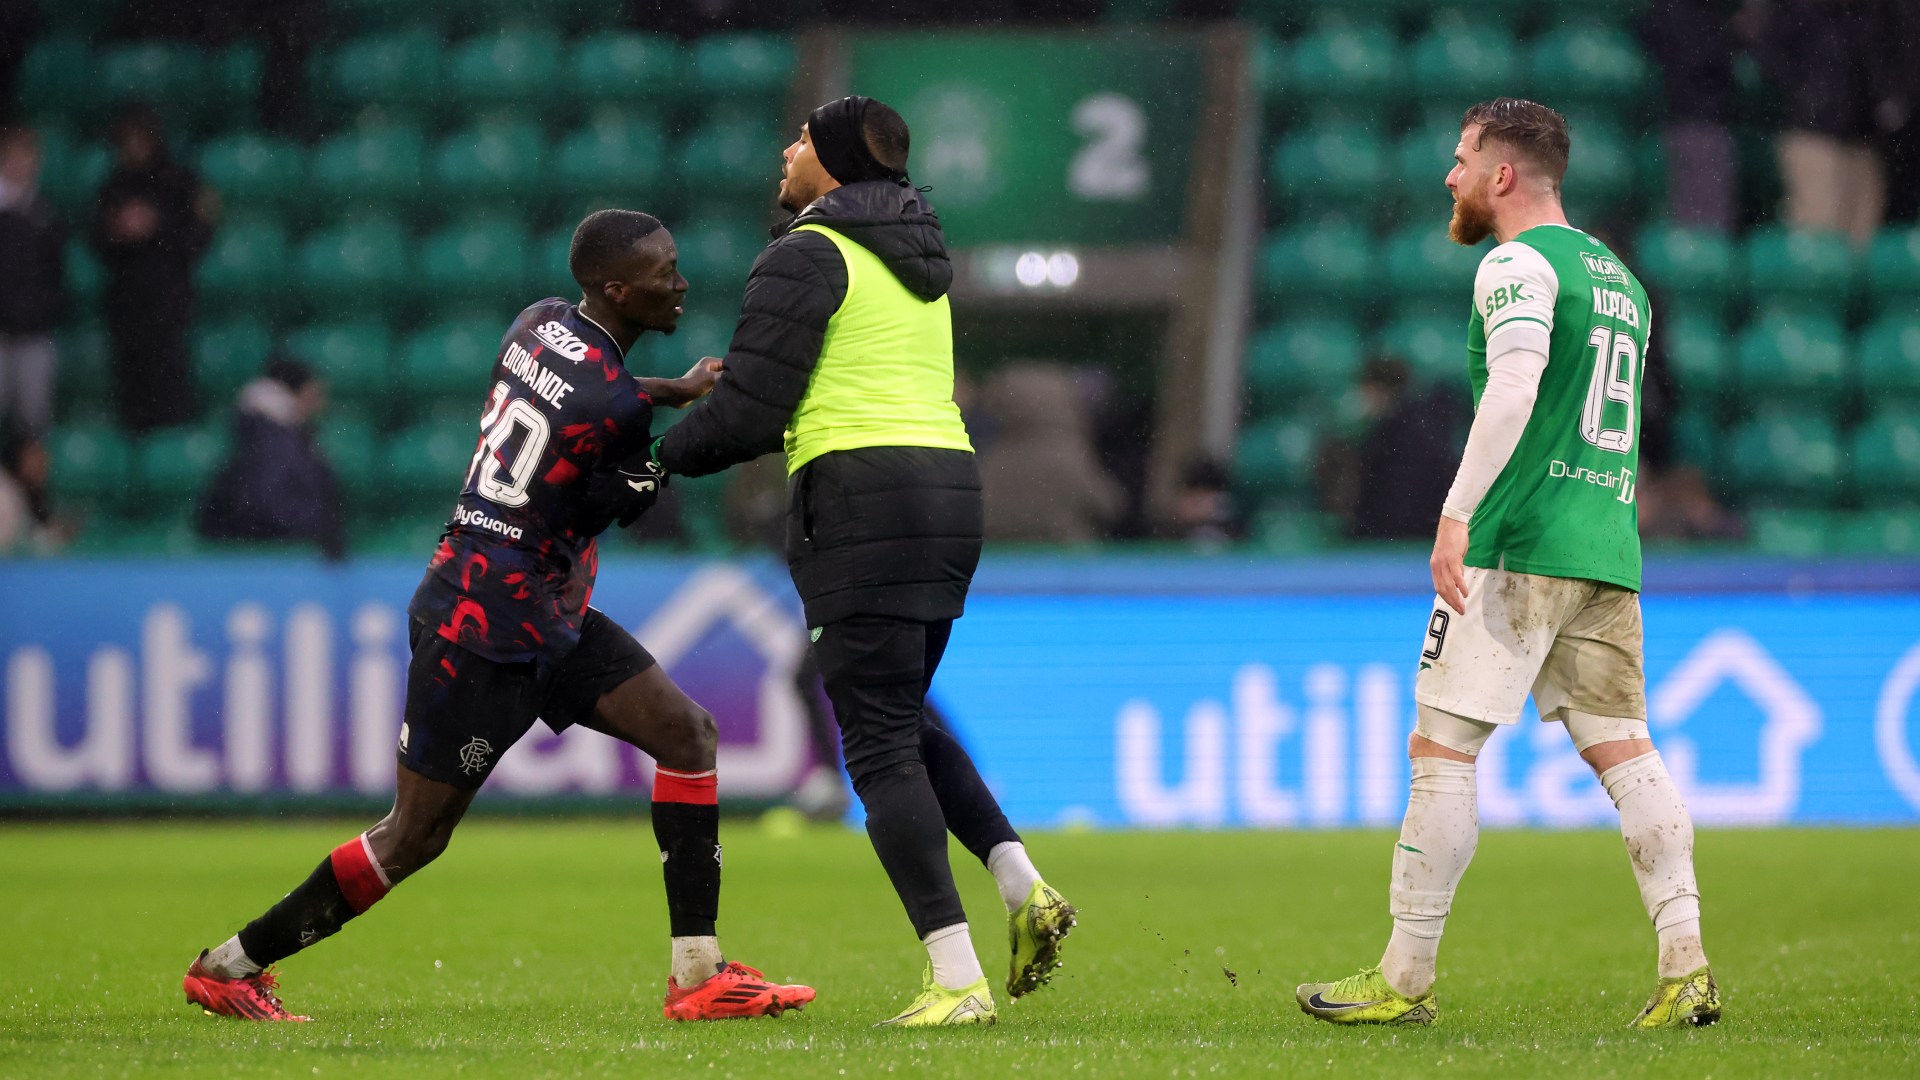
{"points": [[502, 634]]}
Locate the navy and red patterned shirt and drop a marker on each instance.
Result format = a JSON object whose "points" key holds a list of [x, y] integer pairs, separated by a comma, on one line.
{"points": [[514, 570]]}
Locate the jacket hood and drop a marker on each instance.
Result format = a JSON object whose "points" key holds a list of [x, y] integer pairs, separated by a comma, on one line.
{"points": [[894, 222]]}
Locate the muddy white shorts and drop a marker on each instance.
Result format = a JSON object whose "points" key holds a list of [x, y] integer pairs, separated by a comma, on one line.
{"points": [[1574, 644]]}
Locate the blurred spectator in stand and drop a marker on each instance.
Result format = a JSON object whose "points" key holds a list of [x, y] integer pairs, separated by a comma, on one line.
{"points": [[152, 223], [33, 294], [1844, 76], [1675, 499], [1203, 511], [1899, 116], [1692, 44], [1405, 455], [1042, 482], [275, 483], [26, 521]]}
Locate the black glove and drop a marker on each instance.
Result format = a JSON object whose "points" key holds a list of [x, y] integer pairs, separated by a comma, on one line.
{"points": [[625, 491]]}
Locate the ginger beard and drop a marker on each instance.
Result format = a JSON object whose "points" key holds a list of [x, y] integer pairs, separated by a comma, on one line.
{"points": [[1472, 216]]}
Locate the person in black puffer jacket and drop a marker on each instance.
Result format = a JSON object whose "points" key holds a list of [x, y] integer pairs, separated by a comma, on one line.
{"points": [[843, 357]]}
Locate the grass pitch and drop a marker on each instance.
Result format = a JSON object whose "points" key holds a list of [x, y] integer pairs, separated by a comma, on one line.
{"points": [[540, 949]]}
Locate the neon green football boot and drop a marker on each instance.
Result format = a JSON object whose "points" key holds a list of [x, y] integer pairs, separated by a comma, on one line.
{"points": [[1035, 930], [1364, 999], [938, 1006], [1691, 1000]]}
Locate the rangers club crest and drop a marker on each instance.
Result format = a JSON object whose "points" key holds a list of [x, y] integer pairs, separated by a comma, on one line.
{"points": [[474, 755]]}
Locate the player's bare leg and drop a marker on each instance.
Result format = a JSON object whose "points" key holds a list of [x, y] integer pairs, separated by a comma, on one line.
{"points": [[650, 712], [1659, 836], [235, 979]]}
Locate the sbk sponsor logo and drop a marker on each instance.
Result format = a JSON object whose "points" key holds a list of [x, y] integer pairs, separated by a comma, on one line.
{"points": [[478, 519], [561, 340]]}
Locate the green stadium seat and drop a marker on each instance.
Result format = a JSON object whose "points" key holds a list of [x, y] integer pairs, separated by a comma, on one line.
{"points": [[1885, 452], [615, 152], [1425, 269], [246, 265], [363, 263], [547, 273], [1799, 534], [1800, 270], [1693, 268], [86, 277], [72, 171], [351, 443], [1695, 348], [1433, 346], [176, 79], [174, 464], [1786, 459], [451, 359], [1889, 354], [741, 67], [253, 169], [1276, 454], [90, 463], [716, 253], [489, 161], [1334, 168], [514, 66], [1588, 66], [1879, 532], [1345, 65], [1794, 358], [380, 163], [1283, 527], [1317, 266], [1893, 269], [59, 81], [1698, 440], [1463, 62], [351, 356], [730, 157], [1602, 177], [1421, 161], [85, 378], [483, 260], [1302, 360], [428, 460], [402, 69], [227, 354], [624, 66]]}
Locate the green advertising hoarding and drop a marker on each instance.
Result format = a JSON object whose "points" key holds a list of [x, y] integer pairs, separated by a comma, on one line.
{"points": [[1068, 138]]}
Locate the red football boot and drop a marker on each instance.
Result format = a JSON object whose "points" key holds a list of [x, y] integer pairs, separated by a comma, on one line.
{"points": [[737, 991], [251, 998]]}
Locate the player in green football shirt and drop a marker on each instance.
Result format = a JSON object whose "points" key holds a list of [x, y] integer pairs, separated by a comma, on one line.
{"points": [[1536, 571]]}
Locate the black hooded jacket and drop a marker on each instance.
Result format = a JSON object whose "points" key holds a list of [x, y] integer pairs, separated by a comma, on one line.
{"points": [[876, 531]]}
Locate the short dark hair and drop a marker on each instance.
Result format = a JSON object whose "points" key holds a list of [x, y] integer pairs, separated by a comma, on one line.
{"points": [[603, 241], [887, 136], [1529, 128]]}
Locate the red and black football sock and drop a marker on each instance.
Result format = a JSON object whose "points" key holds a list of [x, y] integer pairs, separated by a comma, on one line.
{"points": [[346, 883], [686, 823]]}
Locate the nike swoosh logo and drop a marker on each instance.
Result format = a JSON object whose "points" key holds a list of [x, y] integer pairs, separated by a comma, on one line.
{"points": [[1319, 1002], [644, 487]]}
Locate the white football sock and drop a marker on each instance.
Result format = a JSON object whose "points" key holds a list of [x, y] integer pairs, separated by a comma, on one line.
{"points": [[950, 949], [1012, 871], [229, 961], [695, 960], [1659, 835], [1437, 840]]}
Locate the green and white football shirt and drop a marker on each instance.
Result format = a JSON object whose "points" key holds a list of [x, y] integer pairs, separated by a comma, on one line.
{"points": [[1564, 505]]}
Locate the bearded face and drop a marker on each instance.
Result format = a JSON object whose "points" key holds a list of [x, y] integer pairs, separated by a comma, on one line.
{"points": [[1472, 215]]}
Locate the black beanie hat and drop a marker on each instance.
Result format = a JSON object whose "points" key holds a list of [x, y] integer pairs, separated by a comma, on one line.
{"points": [[838, 130]]}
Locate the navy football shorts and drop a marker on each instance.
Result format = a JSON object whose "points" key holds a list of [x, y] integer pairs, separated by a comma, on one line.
{"points": [[464, 711]]}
